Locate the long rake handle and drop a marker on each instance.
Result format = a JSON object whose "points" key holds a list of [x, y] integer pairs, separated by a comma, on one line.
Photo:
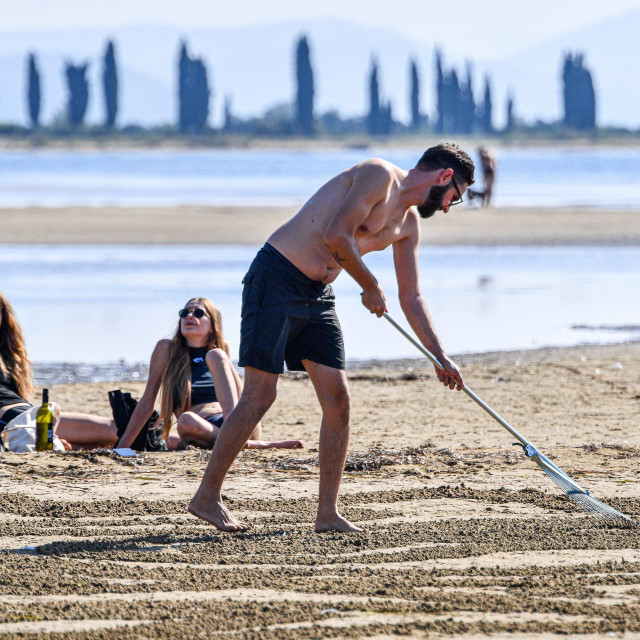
{"points": [[466, 389]]}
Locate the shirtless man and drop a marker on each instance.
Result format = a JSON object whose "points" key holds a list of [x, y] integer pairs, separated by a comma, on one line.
{"points": [[288, 311]]}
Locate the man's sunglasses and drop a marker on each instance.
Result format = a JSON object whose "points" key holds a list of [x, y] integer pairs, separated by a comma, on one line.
{"points": [[459, 200], [196, 313]]}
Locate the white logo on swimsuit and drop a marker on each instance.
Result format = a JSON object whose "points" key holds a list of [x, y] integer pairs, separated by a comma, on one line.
{"points": [[198, 359]]}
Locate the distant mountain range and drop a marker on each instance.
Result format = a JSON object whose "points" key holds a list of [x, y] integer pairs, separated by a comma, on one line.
{"points": [[254, 66]]}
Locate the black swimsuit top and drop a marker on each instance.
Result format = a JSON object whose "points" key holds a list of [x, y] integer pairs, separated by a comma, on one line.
{"points": [[9, 392], [202, 387]]}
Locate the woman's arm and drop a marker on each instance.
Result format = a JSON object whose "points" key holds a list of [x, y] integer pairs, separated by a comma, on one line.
{"points": [[222, 372], [144, 408]]}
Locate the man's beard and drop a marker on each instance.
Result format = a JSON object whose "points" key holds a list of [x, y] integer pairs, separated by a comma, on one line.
{"points": [[433, 202]]}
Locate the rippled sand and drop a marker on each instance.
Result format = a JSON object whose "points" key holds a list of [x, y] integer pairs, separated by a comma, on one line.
{"points": [[465, 536]]}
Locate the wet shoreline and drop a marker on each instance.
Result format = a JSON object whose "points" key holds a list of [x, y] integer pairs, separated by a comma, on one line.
{"points": [[72, 373]]}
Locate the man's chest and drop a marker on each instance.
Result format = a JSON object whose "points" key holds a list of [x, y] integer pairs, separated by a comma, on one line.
{"points": [[382, 227]]}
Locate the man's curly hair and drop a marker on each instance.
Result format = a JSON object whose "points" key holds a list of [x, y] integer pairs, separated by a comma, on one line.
{"points": [[447, 155]]}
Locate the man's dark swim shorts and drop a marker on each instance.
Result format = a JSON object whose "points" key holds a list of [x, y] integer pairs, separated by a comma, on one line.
{"points": [[287, 317]]}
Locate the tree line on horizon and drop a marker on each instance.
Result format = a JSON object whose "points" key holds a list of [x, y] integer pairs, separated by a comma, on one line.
{"points": [[458, 109]]}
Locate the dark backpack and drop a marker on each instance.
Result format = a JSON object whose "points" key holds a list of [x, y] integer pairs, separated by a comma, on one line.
{"points": [[149, 438]]}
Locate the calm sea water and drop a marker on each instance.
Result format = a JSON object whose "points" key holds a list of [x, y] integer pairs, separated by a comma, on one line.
{"points": [[599, 177], [105, 303]]}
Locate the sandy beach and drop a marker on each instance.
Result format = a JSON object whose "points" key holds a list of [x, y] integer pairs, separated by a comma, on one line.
{"points": [[465, 535], [252, 225]]}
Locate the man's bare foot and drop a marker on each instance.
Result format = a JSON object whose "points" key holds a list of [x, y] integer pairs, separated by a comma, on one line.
{"points": [[217, 514], [335, 522], [281, 444]]}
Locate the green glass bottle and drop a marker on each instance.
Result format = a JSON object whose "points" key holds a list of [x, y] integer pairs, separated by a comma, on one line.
{"points": [[45, 420]]}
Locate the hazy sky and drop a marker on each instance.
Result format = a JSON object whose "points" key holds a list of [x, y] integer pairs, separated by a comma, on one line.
{"points": [[483, 28]]}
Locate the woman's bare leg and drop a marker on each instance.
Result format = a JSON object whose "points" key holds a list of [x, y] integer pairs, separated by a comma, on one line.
{"points": [[277, 444], [174, 442], [195, 430], [257, 432], [85, 431]]}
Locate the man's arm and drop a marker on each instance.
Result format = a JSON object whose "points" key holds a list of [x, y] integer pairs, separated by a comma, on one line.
{"points": [[405, 258], [370, 186]]}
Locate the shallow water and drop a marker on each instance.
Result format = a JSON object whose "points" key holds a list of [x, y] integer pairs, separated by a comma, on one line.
{"points": [[99, 304], [599, 177]]}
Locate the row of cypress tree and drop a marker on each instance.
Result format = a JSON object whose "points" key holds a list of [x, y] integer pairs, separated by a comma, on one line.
{"points": [[78, 89], [458, 110]]}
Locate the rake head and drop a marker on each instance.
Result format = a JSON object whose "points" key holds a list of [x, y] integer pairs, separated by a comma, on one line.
{"points": [[581, 497]]}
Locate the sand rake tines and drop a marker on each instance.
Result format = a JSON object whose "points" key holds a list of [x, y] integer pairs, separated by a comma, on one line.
{"points": [[574, 491]]}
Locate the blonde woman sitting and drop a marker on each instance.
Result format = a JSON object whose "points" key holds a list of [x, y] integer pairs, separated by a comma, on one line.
{"points": [[197, 383]]}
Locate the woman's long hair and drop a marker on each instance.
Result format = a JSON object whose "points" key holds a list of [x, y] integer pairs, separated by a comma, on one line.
{"points": [[178, 372], [14, 365]]}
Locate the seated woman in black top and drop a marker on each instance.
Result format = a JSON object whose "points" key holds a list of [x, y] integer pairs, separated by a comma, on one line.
{"points": [[198, 383], [78, 430]]}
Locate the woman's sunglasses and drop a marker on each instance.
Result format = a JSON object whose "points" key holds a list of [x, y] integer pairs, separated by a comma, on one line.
{"points": [[196, 313]]}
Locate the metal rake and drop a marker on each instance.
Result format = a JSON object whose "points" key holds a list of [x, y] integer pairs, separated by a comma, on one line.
{"points": [[570, 487]]}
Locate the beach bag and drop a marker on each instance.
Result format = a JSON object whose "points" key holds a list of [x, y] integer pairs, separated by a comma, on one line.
{"points": [[150, 436], [19, 435]]}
